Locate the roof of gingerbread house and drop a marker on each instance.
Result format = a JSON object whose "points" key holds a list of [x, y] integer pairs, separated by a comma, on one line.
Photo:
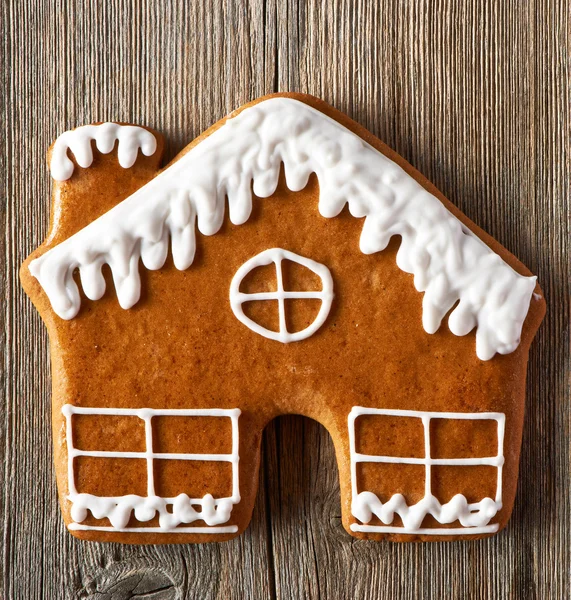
{"points": [[450, 264]]}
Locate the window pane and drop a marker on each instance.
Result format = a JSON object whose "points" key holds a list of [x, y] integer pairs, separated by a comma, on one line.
{"points": [[264, 313], [192, 435], [110, 476], [389, 435], [463, 438], [108, 433], [475, 482], [194, 478], [387, 479]]}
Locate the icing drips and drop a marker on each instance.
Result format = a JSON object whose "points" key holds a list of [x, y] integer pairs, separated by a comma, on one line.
{"points": [[119, 509], [449, 263], [130, 139], [478, 514], [475, 515]]}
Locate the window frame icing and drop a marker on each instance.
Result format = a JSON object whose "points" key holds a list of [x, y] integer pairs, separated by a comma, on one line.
{"points": [[474, 517], [215, 512]]}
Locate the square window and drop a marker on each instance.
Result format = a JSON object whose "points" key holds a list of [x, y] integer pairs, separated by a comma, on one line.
{"points": [[192, 435], [110, 476], [387, 479], [196, 478], [463, 438], [389, 435], [110, 433], [474, 482]]}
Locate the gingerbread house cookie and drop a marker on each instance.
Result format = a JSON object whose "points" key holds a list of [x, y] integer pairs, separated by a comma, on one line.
{"points": [[286, 261]]}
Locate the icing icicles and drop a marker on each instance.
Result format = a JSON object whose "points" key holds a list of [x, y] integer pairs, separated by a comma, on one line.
{"points": [[130, 140], [449, 263]]}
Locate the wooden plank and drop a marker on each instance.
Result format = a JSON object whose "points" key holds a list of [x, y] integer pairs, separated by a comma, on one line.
{"points": [[178, 68], [476, 95]]}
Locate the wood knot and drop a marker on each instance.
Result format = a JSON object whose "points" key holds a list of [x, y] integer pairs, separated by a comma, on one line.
{"points": [[132, 580]]}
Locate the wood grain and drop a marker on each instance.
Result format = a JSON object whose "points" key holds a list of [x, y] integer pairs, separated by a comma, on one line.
{"points": [[476, 95]]}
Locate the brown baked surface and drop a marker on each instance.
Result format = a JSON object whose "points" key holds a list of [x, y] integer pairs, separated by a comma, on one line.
{"points": [[182, 347]]}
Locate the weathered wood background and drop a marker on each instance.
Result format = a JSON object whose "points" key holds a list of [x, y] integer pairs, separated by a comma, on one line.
{"points": [[474, 94]]}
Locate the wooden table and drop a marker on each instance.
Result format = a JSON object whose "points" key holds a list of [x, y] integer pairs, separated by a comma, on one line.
{"points": [[475, 94]]}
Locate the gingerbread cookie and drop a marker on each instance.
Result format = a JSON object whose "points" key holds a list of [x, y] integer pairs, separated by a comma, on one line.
{"points": [[285, 262]]}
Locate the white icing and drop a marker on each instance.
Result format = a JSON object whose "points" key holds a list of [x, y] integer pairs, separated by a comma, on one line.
{"points": [[427, 531], [473, 516], [194, 530], [118, 509], [450, 264], [367, 504], [78, 141], [276, 256]]}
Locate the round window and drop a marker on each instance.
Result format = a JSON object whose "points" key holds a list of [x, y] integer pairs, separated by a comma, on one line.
{"points": [[277, 256]]}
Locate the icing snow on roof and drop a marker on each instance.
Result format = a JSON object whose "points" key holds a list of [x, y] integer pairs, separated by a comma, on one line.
{"points": [[449, 263], [129, 140]]}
